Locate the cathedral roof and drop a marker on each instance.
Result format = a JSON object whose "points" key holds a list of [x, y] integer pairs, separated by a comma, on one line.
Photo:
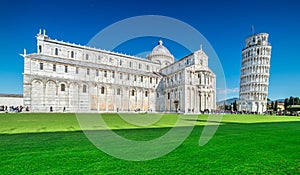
{"points": [[161, 50]]}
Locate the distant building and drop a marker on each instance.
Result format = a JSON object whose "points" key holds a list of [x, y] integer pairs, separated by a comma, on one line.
{"points": [[280, 106], [78, 78], [11, 100], [254, 80]]}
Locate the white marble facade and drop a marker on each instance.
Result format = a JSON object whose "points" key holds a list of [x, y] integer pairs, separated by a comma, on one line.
{"points": [[77, 78], [255, 73]]}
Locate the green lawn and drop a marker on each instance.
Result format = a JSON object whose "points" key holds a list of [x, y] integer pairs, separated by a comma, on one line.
{"points": [[243, 144]]}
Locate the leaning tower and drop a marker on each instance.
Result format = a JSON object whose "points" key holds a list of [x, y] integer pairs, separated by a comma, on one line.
{"points": [[254, 80]]}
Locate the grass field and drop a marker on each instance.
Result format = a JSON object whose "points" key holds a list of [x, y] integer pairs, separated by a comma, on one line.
{"points": [[243, 144]]}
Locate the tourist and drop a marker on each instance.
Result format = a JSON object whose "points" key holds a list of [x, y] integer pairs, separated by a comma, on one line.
{"points": [[17, 109]]}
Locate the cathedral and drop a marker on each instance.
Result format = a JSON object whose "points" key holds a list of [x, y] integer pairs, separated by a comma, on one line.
{"points": [[62, 76]]}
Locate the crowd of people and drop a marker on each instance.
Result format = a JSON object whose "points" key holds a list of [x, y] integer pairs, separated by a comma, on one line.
{"points": [[20, 109], [13, 108]]}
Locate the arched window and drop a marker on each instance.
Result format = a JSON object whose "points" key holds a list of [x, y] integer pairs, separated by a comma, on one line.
{"points": [[102, 90], [146, 93], [41, 66], [84, 89], [40, 49], [72, 54], [66, 69], [200, 79], [62, 87], [56, 51], [132, 92], [118, 91]]}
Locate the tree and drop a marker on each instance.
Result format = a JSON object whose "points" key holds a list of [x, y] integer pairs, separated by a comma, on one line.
{"points": [[269, 103], [272, 105], [291, 101], [234, 106], [286, 103], [297, 101], [276, 105]]}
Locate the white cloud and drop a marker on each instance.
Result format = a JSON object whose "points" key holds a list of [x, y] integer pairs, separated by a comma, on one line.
{"points": [[227, 91]]}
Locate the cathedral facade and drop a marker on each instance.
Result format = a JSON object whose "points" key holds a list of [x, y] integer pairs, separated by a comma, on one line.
{"points": [[68, 77]]}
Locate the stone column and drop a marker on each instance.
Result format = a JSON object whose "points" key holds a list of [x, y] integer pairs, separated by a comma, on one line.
{"points": [[136, 98], [106, 101], [67, 95], [78, 107], [200, 102], [98, 98], [205, 100], [122, 98], [129, 91], [114, 99], [143, 91], [43, 97]]}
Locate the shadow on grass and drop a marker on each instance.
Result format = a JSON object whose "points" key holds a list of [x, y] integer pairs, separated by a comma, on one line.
{"points": [[162, 128], [227, 122], [8, 130]]}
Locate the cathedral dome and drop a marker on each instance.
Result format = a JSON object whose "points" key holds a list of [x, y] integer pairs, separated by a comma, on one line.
{"points": [[161, 54], [160, 50]]}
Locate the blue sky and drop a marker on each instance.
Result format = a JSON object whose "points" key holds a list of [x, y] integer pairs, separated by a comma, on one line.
{"points": [[224, 23]]}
